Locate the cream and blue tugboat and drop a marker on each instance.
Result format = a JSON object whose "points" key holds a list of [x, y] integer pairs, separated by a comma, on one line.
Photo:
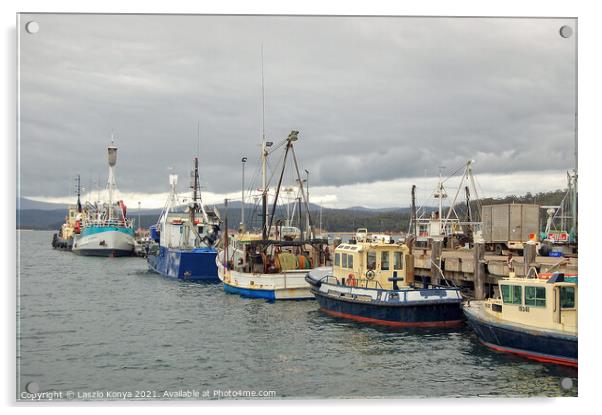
{"points": [[372, 281], [536, 318], [63, 240], [273, 262], [103, 229], [184, 241]]}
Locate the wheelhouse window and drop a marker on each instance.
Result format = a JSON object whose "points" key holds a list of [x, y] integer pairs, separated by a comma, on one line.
{"points": [[344, 261], [371, 260], [535, 296], [384, 260], [397, 260], [567, 297], [337, 260], [349, 261], [512, 294]]}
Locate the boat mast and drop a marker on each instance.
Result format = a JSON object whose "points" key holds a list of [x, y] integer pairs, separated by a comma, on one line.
{"points": [[264, 194], [413, 212], [264, 155], [566, 32], [321, 219], [112, 152], [78, 190], [242, 202], [575, 171], [195, 186], [440, 194]]}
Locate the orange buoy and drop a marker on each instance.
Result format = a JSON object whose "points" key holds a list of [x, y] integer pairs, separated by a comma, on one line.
{"points": [[351, 281]]}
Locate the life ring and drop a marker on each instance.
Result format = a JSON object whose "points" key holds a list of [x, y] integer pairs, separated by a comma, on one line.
{"points": [[370, 275], [351, 281]]}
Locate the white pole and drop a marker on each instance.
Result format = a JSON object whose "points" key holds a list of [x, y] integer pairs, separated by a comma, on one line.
{"points": [[321, 219], [242, 206], [307, 198]]}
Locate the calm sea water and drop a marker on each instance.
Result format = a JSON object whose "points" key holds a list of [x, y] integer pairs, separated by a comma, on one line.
{"points": [[98, 328]]}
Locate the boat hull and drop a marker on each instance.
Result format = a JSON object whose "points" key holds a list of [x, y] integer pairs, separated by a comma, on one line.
{"points": [[191, 265], [446, 314], [62, 243], [433, 307], [108, 244], [539, 345], [302, 293], [280, 286]]}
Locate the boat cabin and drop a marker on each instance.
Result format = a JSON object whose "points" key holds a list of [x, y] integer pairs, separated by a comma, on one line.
{"points": [[545, 300], [176, 231], [248, 253], [68, 228], [374, 264]]}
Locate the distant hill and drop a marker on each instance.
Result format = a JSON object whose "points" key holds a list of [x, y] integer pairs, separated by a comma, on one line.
{"points": [[39, 215], [336, 220], [41, 219], [387, 209], [24, 203]]}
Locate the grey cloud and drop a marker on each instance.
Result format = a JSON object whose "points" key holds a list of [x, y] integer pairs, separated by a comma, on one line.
{"points": [[374, 98]]}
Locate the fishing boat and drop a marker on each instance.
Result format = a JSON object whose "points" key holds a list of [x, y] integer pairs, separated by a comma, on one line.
{"points": [[272, 263], [184, 240], [536, 318], [372, 281], [451, 226], [104, 229], [63, 240]]}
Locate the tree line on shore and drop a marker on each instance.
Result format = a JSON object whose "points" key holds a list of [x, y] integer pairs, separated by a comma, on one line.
{"points": [[333, 220]]}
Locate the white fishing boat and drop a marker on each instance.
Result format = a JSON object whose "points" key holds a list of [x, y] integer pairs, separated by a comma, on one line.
{"points": [[273, 262], [438, 225], [103, 229]]}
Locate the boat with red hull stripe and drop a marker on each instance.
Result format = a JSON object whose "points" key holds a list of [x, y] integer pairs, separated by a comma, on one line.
{"points": [[534, 356], [429, 324], [534, 318]]}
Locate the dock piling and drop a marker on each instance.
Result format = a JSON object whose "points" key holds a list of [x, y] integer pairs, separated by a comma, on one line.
{"points": [[436, 250], [529, 254], [479, 270]]}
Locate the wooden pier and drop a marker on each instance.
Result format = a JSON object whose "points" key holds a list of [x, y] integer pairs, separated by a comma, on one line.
{"points": [[479, 271]]}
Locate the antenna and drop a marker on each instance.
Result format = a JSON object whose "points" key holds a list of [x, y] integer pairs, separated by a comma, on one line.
{"points": [[78, 191], [198, 138], [262, 98], [264, 154]]}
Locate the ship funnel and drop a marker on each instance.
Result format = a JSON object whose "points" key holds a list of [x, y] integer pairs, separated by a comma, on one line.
{"points": [[112, 155]]}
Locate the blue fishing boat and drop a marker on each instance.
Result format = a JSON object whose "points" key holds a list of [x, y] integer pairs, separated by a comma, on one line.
{"points": [[535, 318], [184, 239], [372, 281]]}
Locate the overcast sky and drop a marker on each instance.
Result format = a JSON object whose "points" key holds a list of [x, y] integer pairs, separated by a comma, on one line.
{"points": [[380, 103]]}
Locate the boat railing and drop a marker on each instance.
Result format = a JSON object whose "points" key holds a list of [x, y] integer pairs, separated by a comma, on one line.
{"points": [[365, 283], [532, 270], [358, 283], [112, 222]]}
